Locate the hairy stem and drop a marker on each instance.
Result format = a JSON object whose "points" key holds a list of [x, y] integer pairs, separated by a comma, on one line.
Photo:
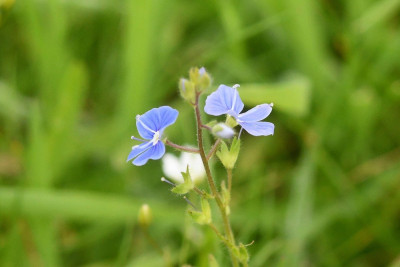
{"points": [[182, 148], [229, 173], [213, 149], [227, 226]]}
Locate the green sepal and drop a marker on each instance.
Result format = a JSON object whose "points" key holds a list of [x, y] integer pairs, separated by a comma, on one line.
{"points": [[230, 121], [243, 254], [187, 184], [211, 123], [203, 216], [228, 156]]}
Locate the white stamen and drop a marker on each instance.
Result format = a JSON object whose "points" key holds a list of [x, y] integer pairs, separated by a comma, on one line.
{"points": [[234, 95], [167, 181], [272, 104], [156, 138]]}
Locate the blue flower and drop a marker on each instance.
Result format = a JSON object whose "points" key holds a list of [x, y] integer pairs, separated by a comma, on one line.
{"points": [[151, 126], [226, 100]]}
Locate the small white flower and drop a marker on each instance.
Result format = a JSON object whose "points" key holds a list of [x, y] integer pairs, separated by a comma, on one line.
{"points": [[173, 166]]}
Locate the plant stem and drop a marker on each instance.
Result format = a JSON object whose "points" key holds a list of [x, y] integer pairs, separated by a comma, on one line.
{"points": [[227, 226], [182, 148], [229, 173], [213, 149]]}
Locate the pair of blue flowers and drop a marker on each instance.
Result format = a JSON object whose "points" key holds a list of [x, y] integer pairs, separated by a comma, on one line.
{"points": [[225, 100]]}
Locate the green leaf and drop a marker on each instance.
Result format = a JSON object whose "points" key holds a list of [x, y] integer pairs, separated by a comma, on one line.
{"points": [[187, 184]]}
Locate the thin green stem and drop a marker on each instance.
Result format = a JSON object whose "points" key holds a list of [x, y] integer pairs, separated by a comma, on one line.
{"points": [[227, 226]]}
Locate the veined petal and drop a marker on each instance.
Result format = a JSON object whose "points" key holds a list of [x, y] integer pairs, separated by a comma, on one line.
{"points": [[155, 152], [257, 113], [225, 100], [167, 116], [136, 150], [258, 128], [155, 120]]}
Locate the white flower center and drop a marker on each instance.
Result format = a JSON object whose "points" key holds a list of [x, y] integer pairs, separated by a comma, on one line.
{"points": [[156, 138]]}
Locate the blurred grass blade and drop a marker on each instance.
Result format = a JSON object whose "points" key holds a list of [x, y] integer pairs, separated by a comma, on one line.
{"points": [[12, 105], [79, 206], [299, 212], [292, 96], [379, 12]]}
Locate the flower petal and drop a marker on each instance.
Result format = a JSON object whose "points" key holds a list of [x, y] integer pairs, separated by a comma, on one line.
{"points": [[167, 115], [155, 152], [154, 120], [257, 113], [136, 150], [258, 128], [225, 100]]}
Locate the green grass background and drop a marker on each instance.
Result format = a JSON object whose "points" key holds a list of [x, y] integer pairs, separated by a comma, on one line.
{"points": [[323, 191]]}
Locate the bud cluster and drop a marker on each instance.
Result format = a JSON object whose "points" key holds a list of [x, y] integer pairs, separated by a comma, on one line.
{"points": [[199, 80]]}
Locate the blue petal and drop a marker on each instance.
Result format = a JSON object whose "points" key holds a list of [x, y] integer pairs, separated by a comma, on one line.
{"points": [[225, 100], [154, 120], [136, 150], [155, 152], [257, 113], [167, 116], [258, 128]]}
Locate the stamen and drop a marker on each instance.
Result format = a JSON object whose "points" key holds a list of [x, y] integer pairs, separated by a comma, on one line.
{"points": [[156, 138], [190, 203], [144, 125], [272, 104], [137, 139], [240, 132], [234, 95], [167, 181]]}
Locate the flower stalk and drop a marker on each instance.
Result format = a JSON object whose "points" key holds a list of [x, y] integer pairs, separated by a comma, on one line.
{"points": [[228, 230]]}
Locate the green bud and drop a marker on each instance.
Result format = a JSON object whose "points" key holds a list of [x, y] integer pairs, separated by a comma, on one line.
{"points": [[243, 254], [145, 216], [200, 78], [227, 156], [186, 88], [187, 184], [223, 131]]}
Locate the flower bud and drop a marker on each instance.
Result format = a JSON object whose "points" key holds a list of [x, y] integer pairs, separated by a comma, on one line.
{"points": [[223, 131], [145, 216], [200, 78], [186, 88]]}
